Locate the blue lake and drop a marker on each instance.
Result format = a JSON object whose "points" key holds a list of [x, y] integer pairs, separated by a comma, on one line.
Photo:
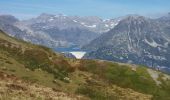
{"points": [[69, 49]]}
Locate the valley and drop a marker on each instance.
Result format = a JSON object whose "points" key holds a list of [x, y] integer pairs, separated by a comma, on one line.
{"points": [[25, 66], [126, 58], [85, 50], [130, 39]]}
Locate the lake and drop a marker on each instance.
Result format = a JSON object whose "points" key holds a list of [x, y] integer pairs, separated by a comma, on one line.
{"points": [[74, 50]]}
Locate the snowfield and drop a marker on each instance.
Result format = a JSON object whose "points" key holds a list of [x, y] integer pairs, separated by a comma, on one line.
{"points": [[78, 54]]}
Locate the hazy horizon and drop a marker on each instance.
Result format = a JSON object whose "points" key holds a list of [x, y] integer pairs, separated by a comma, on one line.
{"points": [[102, 8]]}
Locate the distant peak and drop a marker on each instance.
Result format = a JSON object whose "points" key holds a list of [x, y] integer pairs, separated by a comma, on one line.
{"points": [[134, 20], [135, 17], [168, 14], [9, 18], [93, 17], [45, 14]]}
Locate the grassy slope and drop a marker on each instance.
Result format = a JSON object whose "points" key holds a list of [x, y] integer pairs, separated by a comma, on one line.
{"points": [[98, 80], [12, 88]]}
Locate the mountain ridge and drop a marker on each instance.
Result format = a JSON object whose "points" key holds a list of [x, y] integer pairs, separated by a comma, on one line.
{"points": [[59, 30], [135, 39]]}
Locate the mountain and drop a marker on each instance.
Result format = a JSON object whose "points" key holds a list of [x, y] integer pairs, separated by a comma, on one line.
{"points": [[64, 31], [57, 30], [91, 23], [7, 24], [164, 22], [30, 71], [8, 19], [136, 40]]}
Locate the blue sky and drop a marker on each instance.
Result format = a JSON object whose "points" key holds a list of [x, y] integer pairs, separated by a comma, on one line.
{"points": [[25, 9]]}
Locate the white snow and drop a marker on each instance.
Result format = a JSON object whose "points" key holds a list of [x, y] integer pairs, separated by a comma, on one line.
{"points": [[75, 21], [45, 27], [166, 44], [113, 24], [106, 25], [106, 30], [25, 39], [157, 57], [92, 26], [78, 54], [121, 58], [106, 20], [51, 19], [83, 23], [153, 43]]}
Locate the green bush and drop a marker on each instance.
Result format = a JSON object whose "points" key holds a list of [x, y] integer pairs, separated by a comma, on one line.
{"points": [[95, 93]]}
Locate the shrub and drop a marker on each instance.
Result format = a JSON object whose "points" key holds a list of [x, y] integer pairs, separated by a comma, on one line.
{"points": [[95, 93]]}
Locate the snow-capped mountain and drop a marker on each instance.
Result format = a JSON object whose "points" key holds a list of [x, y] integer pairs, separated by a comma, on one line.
{"points": [[91, 23], [61, 30], [7, 24], [164, 22], [57, 30], [135, 39]]}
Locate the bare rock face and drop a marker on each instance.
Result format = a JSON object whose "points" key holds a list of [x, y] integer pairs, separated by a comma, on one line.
{"points": [[135, 39]]}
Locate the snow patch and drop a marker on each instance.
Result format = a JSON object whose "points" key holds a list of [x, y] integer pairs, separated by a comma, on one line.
{"points": [[78, 54], [106, 20], [166, 44], [75, 21], [51, 19], [153, 43], [92, 26], [113, 24], [83, 23], [157, 57], [106, 25]]}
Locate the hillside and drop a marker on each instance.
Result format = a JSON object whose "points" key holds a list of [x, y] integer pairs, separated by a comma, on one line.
{"points": [[13, 88], [36, 65]]}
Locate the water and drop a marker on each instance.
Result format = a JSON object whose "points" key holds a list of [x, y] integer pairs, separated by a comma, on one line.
{"points": [[68, 49], [78, 54], [74, 50]]}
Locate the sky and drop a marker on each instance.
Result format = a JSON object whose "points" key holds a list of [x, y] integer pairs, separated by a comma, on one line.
{"points": [[25, 9]]}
